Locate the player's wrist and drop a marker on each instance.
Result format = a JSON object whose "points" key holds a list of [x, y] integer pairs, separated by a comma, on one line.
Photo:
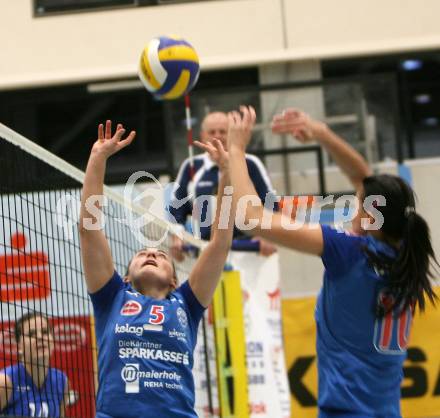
{"points": [[321, 131], [237, 149], [98, 155]]}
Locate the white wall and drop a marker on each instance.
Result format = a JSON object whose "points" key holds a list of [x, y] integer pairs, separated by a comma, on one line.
{"points": [[345, 27], [97, 45]]}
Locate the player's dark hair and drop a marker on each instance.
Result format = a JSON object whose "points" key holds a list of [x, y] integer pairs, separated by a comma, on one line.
{"points": [[409, 272], [18, 330]]}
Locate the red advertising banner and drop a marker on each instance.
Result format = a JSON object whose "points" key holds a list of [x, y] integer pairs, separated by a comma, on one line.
{"points": [[23, 276]]}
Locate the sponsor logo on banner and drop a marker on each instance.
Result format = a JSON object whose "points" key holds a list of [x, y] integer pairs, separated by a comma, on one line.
{"points": [[23, 275], [255, 363], [131, 307], [274, 299], [129, 375], [420, 388], [258, 298], [267, 378]]}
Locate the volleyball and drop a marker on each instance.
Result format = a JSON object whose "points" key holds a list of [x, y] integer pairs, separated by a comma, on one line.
{"points": [[169, 67]]}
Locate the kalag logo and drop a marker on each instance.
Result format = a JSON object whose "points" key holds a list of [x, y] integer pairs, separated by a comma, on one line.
{"points": [[129, 329]]}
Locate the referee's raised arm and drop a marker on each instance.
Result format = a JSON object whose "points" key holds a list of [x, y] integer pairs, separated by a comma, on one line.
{"points": [[95, 250]]}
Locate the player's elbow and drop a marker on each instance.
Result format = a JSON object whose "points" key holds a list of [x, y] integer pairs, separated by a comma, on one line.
{"points": [[364, 171]]}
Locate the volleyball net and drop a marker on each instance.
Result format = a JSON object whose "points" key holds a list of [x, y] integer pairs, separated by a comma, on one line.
{"points": [[40, 264]]}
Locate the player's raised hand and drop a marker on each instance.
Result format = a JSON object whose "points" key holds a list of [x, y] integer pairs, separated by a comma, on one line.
{"points": [[108, 144], [240, 127], [216, 151], [298, 124]]}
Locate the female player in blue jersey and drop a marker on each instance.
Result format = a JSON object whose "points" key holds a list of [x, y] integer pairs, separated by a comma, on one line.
{"points": [[373, 279], [31, 388], [146, 325]]}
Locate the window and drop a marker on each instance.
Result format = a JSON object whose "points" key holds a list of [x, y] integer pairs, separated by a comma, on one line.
{"points": [[48, 7]]}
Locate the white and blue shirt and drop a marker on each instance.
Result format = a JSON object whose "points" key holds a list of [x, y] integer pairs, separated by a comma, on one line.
{"points": [[205, 183], [28, 400], [145, 351], [360, 355]]}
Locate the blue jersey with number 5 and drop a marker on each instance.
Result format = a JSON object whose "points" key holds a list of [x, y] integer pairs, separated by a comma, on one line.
{"points": [[360, 355], [145, 351], [28, 400]]}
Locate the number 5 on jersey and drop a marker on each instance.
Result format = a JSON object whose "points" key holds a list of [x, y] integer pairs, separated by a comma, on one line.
{"points": [[157, 316]]}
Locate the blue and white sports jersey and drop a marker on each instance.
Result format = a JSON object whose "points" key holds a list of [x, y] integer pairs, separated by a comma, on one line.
{"points": [[360, 356], [29, 401], [205, 183], [145, 351]]}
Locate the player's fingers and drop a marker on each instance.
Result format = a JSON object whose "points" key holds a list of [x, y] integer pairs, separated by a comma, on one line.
{"points": [[118, 134], [245, 115], [291, 112], [299, 134], [108, 129], [279, 126], [199, 144], [295, 117], [236, 117], [202, 145], [277, 120], [209, 148], [101, 132], [253, 114], [128, 140], [218, 145]]}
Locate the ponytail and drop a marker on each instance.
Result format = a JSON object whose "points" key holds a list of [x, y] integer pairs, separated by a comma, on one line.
{"points": [[410, 272]]}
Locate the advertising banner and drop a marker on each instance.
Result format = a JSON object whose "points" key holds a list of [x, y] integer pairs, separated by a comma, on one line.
{"points": [[420, 386]]}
